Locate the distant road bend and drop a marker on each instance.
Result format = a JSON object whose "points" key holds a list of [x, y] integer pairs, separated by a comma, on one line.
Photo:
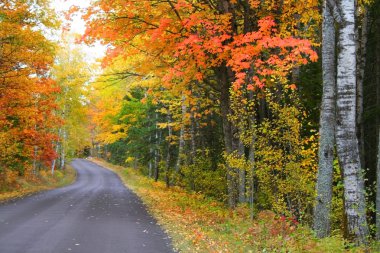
{"points": [[96, 214]]}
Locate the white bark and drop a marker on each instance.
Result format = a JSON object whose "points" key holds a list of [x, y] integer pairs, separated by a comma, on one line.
{"points": [[53, 166], [346, 139], [55, 160], [327, 126], [334, 10], [56, 151], [63, 149]]}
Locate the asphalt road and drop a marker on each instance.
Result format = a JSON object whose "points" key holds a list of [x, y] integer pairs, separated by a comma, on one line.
{"points": [[96, 214]]}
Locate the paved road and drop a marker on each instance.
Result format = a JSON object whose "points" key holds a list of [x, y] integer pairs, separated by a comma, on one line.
{"points": [[96, 214]]}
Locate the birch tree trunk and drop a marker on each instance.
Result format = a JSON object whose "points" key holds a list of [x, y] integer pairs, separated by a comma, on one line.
{"points": [[322, 209], [346, 139], [56, 151], [64, 136], [53, 166], [63, 149]]}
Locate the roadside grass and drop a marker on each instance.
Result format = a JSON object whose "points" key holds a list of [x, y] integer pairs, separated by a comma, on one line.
{"points": [[199, 224], [44, 181]]}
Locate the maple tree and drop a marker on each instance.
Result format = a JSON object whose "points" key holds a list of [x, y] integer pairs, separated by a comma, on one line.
{"points": [[27, 91]]}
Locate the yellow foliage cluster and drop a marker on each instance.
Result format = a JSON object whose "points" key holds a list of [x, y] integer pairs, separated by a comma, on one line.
{"points": [[284, 165], [285, 162]]}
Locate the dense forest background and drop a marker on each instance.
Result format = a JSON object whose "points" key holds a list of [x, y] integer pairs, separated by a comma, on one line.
{"points": [[271, 104]]}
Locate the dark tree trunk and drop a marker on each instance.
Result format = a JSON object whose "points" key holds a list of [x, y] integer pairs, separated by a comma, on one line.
{"points": [[377, 78], [242, 174], [362, 34], [228, 134]]}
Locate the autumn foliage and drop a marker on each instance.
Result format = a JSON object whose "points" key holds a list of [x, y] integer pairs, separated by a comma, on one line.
{"points": [[219, 98], [183, 40], [27, 99], [214, 81]]}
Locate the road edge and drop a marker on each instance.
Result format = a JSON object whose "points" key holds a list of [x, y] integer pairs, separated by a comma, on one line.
{"points": [[150, 208], [38, 188]]}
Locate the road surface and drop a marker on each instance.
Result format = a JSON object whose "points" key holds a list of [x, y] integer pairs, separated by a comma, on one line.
{"points": [[96, 214]]}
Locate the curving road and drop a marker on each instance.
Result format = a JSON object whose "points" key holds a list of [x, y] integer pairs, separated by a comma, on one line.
{"points": [[96, 214]]}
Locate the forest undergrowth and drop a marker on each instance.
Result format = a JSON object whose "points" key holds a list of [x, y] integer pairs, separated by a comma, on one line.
{"points": [[18, 187]]}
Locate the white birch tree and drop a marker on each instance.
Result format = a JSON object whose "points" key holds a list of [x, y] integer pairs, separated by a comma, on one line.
{"points": [[345, 134], [327, 127], [343, 13]]}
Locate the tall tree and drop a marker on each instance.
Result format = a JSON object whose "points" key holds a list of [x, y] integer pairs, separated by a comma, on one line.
{"points": [[346, 138], [327, 127], [344, 13], [27, 91]]}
